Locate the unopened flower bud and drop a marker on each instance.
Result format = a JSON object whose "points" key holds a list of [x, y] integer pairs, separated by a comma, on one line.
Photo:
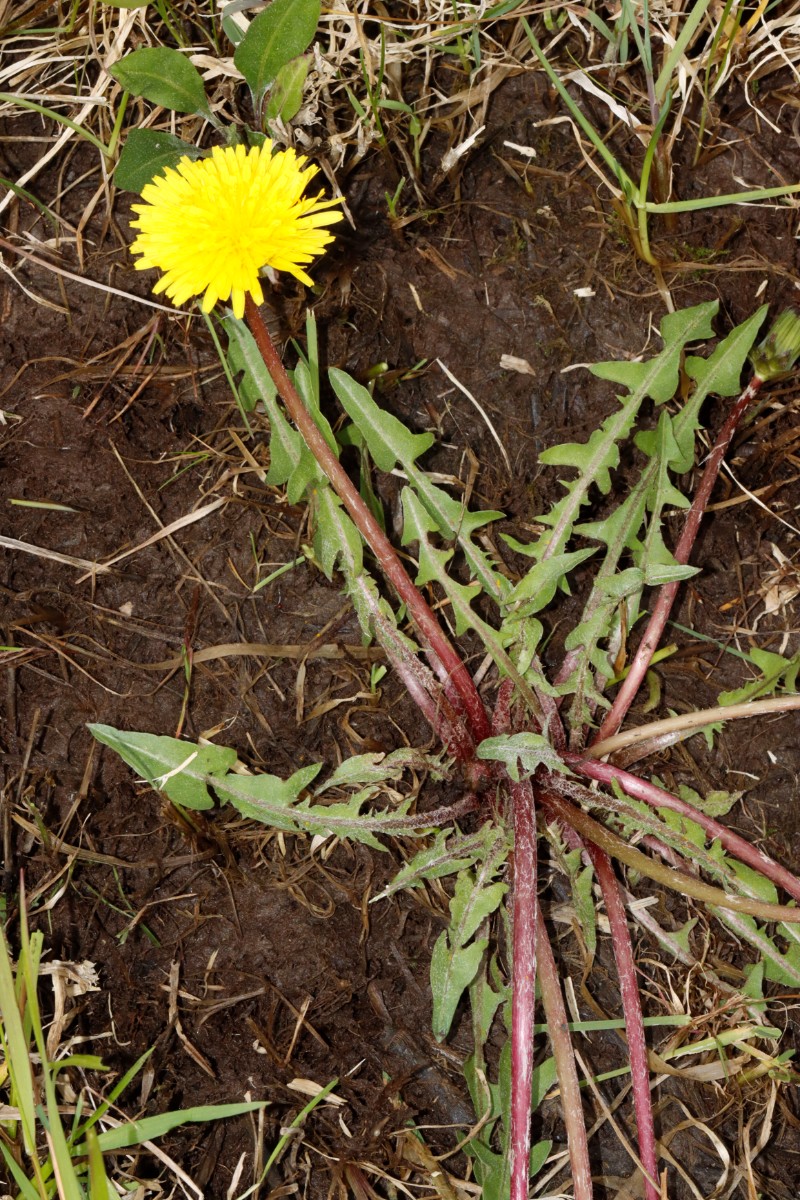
{"points": [[780, 348]]}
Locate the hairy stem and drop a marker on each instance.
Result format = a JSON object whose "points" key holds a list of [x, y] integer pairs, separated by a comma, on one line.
{"points": [[677, 881], [632, 1009], [558, 1032], [444, 658], [667, 594], [523, 979], [656, 797]]}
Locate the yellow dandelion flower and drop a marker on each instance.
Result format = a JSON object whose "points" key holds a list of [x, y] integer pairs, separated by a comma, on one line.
{"points": [[211, 225]]}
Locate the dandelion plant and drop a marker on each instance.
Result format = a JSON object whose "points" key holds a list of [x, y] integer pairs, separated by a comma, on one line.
{"points": [[521, 746]]}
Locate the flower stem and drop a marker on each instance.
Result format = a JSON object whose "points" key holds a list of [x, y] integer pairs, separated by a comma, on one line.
{"points": [[649, 734], [558, 1032], [677, 881], [523, 979], [448, 666], [640, 789], [667, 594], [632, 1010]]}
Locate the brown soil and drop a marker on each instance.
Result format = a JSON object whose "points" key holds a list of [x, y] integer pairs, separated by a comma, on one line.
{"points": [[211, 937]]}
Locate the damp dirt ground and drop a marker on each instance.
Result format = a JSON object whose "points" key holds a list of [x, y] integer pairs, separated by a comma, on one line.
{"points": [[242, 959]]}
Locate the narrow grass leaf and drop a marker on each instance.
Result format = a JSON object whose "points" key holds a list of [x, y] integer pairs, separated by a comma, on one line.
{"points": [[133, 1133]]}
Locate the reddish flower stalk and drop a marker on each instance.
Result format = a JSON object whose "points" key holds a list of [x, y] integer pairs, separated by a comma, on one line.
{"points": [[667, 593], [447, 664], [632, 1010], [656, 797], [523, 979], [558, 1032]]}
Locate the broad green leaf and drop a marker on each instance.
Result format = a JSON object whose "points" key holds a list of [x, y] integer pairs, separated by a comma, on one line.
{"points": [[472, 902], [485, 1001], [147, 153], [164, 77], [716, 804], [388, 440], [538, 586], [282, 32], [721, 373], [179, 769], [286, 95], [658, 376], [657, 573]]}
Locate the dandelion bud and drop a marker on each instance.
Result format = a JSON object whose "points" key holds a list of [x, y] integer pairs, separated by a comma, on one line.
{"points": [[780, 348]]}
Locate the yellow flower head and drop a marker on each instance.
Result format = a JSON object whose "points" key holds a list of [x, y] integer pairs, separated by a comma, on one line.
{"points": [[211, 225]]}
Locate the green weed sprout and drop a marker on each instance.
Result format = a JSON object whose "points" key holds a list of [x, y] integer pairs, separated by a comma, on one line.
{"points": [[631, 194], [46, 1153]]}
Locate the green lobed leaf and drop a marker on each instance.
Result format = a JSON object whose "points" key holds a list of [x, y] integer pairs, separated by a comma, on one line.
{"points": [[597, 458], [447, 855], [452, 971], [286, 95], [390, 443], [282, 32], [291, 462], [381, 768], [779, 967], [522, 753], [335, 536], [417, 523], [538, 586], [182, 770], [721, 373], [185, 773], [585, 909], [775, 671], [658, 377], [164, 77], [456, 958], [148, 153], [388, 440]]}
